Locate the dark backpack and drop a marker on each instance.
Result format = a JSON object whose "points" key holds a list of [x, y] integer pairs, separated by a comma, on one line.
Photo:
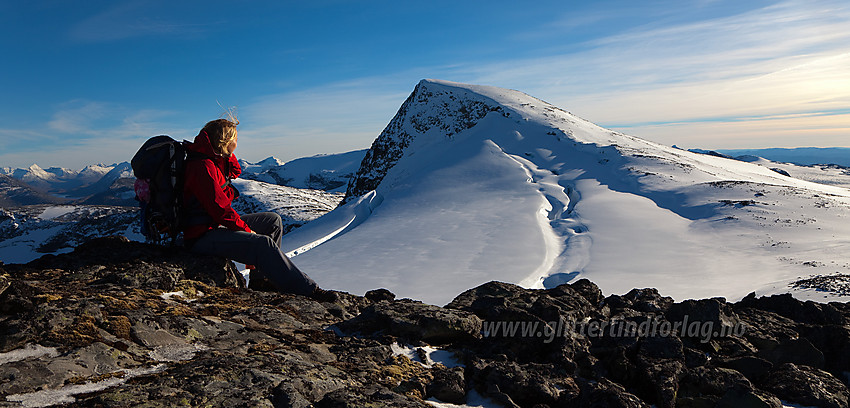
{"points": [[159, 169]]}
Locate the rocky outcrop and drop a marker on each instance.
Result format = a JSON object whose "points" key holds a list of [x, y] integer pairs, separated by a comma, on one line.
{"points": [[118, 324]]}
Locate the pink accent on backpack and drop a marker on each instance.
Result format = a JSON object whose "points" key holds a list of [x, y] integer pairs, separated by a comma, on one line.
{"points": [[143, 190]]}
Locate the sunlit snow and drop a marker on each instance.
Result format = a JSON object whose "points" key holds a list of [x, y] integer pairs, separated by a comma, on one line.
{"points": [[538, 197]]}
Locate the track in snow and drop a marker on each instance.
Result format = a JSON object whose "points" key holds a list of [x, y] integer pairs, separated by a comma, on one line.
{"points": [[567, 240]]}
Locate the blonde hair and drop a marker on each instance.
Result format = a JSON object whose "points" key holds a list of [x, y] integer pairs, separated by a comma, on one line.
{"points": [[221, 132]]}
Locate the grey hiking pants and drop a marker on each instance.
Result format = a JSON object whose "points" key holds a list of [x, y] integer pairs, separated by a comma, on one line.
{"points": [[261, 250]]}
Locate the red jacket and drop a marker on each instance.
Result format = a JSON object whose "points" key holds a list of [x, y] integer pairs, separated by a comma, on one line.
{"points": [[203, 182]]}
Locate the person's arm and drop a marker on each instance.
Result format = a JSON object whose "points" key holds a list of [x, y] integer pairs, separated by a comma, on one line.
{"points": [[204, 181], [235, 168]]}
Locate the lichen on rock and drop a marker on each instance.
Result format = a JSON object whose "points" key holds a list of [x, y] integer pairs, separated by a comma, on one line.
{"points": [[118, 323]]}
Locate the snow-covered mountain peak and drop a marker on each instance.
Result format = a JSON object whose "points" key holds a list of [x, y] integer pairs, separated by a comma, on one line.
{"points": [[270, 162], [264, 165], [97, 168], [93, 173], [35, 172], [435, 111], [470, 183], [61, 172]]}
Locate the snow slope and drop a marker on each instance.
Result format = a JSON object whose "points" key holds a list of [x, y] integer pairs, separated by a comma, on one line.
{"points": [[475, 183]]}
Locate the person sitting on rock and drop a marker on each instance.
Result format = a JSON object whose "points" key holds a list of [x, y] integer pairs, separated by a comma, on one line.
{"points": [[213, 227]]}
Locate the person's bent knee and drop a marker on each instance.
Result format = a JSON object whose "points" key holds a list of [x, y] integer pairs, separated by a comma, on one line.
{"points": [[266, 241], [278, 222]]}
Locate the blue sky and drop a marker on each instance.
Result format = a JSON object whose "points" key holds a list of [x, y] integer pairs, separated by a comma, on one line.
{"points": [[88, 82]]}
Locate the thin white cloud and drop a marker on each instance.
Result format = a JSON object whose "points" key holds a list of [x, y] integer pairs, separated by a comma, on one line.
{"points": [[752, 43], [82, 132], [793, 131], [27, 136], [788, 58], [131, 19], [96, 119], [78, 116], [74, 153]]}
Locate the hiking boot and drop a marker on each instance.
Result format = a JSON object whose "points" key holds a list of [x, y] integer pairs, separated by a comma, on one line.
{"points": [[322, 295], [258, 281]]}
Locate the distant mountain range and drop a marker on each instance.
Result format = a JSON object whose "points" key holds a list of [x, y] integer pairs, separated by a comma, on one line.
{"points": [[58, 180], [95, 185], [113, 184], [468, 184], [803, 156], [53, 210]]}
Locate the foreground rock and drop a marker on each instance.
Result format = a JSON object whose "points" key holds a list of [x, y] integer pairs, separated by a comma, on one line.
{"points": [[119, 324]]}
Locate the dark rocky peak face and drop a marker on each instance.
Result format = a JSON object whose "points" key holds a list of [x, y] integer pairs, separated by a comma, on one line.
{"points": [[433, 110]]}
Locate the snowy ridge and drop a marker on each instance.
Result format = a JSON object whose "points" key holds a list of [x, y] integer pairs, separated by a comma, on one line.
{"points": [[481, 183], [350, 217]]}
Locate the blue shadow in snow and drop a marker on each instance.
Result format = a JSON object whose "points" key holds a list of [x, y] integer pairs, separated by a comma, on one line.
{"points": [[559, 279]]}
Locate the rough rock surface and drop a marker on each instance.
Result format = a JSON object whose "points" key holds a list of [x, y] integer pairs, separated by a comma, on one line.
{"points": [[120, 324]]}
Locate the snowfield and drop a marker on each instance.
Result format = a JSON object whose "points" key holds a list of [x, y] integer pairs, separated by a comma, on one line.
{"points": [[530, 194]]}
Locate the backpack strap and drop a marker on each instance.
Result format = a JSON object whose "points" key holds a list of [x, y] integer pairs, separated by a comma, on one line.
{"points": [[193, 155], [194, 216]]}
